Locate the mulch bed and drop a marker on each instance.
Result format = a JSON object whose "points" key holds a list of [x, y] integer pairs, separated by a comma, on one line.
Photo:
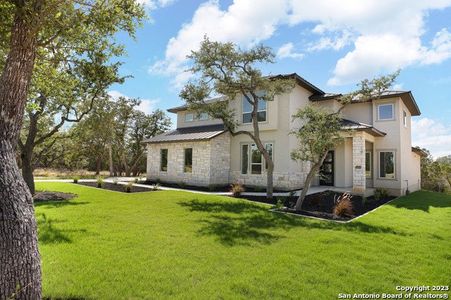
{"points": [[212, 188], [116, 187], [321, 205], [52, 196]]}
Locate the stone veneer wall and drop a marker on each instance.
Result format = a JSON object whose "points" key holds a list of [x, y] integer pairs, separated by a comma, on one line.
{"points": [[282, 180], [220, 159], [358, 164], [211, 161]]}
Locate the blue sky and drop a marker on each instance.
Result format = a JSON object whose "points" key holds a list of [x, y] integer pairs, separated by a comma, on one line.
{"points": [[333, 44]]}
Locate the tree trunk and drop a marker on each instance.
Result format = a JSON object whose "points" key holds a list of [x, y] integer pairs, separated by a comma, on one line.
{"points": [[269, 178], [110, 159], [27, 170], [308, 182], [20, 273], [98, 165], [256, 137]]}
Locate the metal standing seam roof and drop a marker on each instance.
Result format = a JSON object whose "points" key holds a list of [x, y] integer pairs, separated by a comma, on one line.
{"points": [[352, 125], [189, 134]]}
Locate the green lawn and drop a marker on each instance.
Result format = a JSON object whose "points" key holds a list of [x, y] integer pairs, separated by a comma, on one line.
{"points": [[112, 245]]}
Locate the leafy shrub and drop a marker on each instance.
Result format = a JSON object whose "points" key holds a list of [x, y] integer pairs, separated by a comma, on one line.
{"points": [[76, 179], [99, 182], [279, 203], [380, 194], [136, 180], [343, 206], [236, 189], [128, 187], [156, 187]]}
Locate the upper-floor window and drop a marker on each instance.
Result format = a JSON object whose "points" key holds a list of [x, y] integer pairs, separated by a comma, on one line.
{"points": [[203, 116], [189, 117], [385, 112], [404, 118], [247, 111], [164, 160]]}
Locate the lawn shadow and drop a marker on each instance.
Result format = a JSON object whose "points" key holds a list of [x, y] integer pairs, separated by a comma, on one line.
{"points": [[65, 298], [241, 223], [57, 204], [49, 234], [423, 202]]}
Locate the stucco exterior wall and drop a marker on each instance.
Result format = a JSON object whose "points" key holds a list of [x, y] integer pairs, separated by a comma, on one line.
{"points": [[218, 161], [359, 112], [181, 120]]}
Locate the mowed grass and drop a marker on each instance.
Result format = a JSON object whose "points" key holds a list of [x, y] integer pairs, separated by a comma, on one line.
{"points": [[178, 245]]}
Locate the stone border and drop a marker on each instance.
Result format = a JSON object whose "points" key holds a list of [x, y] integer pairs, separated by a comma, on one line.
{"points": [[330, 220]]}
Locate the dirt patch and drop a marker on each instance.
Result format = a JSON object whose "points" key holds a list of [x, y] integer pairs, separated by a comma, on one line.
{"points": [[321, 205], [116, 187], [52, 196]]}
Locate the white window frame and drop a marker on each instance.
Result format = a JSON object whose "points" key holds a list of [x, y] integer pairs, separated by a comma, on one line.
{"points": [[190, 119], [392, 112], [249, 158], [243, 112], [404, 118], [379, 164], [203, 116]]}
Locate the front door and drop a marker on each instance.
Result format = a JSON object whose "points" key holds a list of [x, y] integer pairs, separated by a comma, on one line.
{"points": [[326, 173]]}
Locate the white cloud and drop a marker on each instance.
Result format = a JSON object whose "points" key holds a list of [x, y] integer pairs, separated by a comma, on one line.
{"points": [[287, 51], [432, 135], [147, 106], [440, 48], [386, 35], [243, 22], [336, 42]]}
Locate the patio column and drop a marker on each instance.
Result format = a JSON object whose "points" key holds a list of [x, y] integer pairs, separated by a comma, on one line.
{"points": [[358, 163]]}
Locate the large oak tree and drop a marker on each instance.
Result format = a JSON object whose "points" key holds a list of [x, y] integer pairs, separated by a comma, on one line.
{"points": [[27, 31], [226, 70]]}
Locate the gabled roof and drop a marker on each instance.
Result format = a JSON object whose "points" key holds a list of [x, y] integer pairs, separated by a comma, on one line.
{"points": [[185, 106], [419, 151], [299, 80], [406, 97], [352, 125], [302, 82], [189, 134]]}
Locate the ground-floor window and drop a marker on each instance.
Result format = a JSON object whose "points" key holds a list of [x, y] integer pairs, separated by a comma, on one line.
{"points": [[368, 164], [188, 166], [387, 165], [252, 159], [164, 160]]}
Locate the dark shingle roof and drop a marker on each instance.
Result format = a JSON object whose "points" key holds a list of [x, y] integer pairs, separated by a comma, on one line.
{"points": [[352, 125], [406, 97], [188, 134], [419, 151], [184, 107]]}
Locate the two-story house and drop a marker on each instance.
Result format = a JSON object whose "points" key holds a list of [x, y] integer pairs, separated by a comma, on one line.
{"points": [[376, 151]]}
